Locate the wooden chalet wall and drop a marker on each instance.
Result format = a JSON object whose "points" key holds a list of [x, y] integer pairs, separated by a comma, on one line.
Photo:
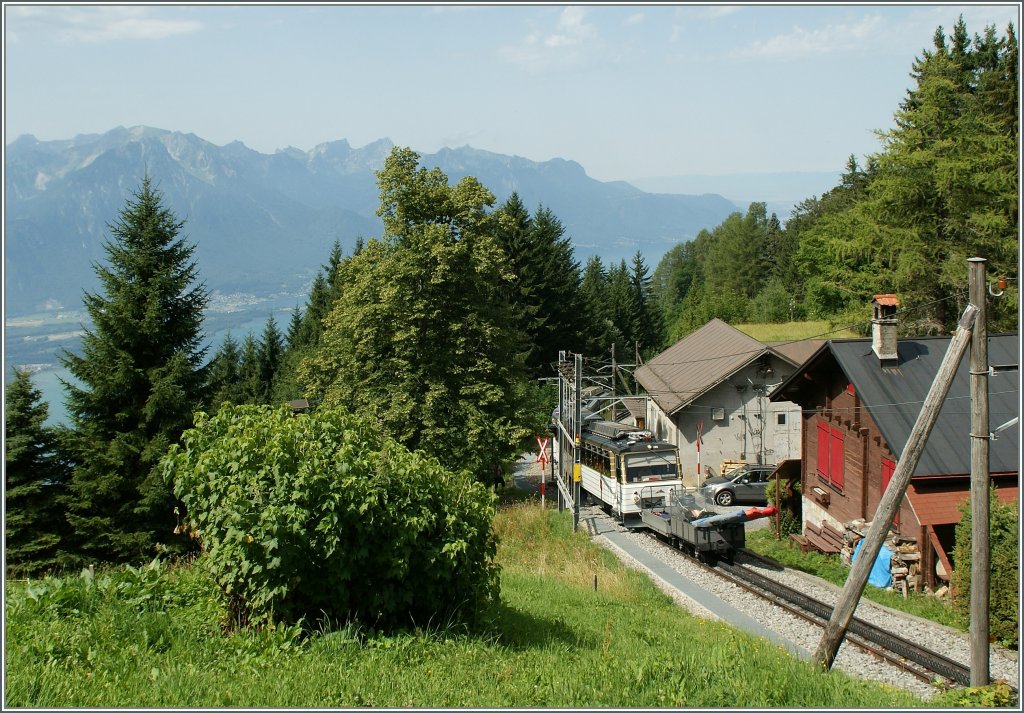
{"points": [[838, 411]]}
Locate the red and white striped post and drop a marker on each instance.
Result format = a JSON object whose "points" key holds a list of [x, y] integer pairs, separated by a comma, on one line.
{"points": [[700, 429]]}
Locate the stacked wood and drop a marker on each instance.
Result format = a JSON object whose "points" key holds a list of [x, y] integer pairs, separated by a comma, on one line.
{"points": [[905, 566]]}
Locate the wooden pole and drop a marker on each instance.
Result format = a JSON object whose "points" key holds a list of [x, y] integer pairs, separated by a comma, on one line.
{"points": [[778, 507], [893, 495], [980, 477]]}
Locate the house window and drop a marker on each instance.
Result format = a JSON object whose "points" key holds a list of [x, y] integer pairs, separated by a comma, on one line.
{"points": [[831, 459], [781, 419], [888, 468]]}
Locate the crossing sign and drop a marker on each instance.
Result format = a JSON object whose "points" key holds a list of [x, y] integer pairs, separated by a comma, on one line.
{"points": [[543, 458]]}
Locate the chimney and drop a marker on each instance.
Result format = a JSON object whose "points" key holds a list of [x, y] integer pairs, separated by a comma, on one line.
{"points": [[883, 328]]}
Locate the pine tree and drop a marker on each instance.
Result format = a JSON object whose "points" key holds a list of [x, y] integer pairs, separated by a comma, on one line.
{"points": [[269, 357], [141, 380], [649, 327], [225, 374], [597, 308], [250, 382], [35, 483], [546, 293], [624, 309]]}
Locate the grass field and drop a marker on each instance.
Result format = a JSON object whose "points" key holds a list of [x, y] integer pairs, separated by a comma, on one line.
{"points": [[790, 331], [157, 637]]}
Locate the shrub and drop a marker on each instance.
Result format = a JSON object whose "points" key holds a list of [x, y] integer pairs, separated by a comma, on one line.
{"points": [[790, 521], [320, 516], [1004, 561]]}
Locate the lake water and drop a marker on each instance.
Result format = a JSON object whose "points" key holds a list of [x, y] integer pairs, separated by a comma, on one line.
{"points": [[36, 340]]}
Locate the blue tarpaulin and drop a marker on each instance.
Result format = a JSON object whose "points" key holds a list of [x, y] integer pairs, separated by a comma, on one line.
{"points": [[880, 576]]}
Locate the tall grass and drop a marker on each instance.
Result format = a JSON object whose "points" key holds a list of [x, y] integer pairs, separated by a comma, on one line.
{"points": [[160, 639], [790, 331]]}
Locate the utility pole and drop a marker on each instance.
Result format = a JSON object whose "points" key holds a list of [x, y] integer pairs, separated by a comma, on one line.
{"points": [[577, 445], [569, 428], [980, 477], [614, 372], [893, 495]]}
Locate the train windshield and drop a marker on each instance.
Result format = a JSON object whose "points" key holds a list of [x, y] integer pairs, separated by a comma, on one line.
{"points": [[653, 465]]}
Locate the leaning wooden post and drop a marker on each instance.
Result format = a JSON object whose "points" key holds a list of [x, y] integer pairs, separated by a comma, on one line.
{"points": [[980, 477], [893, 495]]}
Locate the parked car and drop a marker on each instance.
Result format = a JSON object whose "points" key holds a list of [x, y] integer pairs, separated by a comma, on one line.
{"points": [[744, 484]]}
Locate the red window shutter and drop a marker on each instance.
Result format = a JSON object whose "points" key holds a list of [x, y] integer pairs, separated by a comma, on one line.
{"points": [[888, 468], [823, 437], [836, 453]]}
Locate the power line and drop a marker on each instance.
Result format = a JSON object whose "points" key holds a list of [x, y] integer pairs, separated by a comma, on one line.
{"points": [[961, 293]]}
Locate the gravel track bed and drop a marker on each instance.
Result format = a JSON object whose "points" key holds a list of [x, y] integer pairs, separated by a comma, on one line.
{"points": [[850, 659]]}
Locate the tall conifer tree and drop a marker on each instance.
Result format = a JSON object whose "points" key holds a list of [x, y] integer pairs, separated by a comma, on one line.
{"points": [[35, 482], [140, 378]]}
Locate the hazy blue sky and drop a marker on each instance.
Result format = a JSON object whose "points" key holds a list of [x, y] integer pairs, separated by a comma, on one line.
{"points": [[628, 91]]}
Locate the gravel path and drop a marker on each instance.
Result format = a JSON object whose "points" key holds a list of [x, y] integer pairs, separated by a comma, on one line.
{"points": [[951, 643]]}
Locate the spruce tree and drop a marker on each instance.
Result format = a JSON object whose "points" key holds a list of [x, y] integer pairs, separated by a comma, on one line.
{"points": [[270, 356], [35, 483], [225, 374], [250, 383], [546, 293], [649, 326], [597, 308], [141, 378]]}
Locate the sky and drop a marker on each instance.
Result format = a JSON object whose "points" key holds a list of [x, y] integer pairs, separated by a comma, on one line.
{"points": [[628, 91]]}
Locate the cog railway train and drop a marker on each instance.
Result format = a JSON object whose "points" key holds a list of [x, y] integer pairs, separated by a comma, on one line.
{"points": [[638, 479]]}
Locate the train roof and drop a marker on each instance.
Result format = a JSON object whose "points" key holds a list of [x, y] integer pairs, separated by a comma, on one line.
{"points": [[616, 437]]}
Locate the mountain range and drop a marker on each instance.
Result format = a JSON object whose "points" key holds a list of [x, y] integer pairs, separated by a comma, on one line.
{"points": [[265, 222]]}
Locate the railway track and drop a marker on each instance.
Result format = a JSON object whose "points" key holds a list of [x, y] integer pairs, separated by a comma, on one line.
{"points": [[921, 662], [901, 652]]}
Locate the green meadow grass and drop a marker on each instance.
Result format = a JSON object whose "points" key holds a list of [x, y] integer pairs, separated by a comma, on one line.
{"points": [[159, 637], [789, 331]]}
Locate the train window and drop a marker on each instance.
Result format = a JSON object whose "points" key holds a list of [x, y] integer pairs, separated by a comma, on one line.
{"points": [[597, 458], [653, 465]]}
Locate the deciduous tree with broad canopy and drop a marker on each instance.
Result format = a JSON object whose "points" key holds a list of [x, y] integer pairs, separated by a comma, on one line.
{"points": [[422, 338]]}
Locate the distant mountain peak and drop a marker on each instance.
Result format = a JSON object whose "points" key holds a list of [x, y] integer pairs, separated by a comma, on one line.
{"points": [[267, 219]]}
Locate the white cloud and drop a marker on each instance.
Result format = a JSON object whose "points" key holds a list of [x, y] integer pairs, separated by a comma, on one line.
{"points": [[707, 12], [95, 24], [800, 43], [635, 19], [567, 44]]}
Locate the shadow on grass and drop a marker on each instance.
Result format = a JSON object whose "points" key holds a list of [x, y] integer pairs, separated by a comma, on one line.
{"points": [[512, 495], [520, 630]]}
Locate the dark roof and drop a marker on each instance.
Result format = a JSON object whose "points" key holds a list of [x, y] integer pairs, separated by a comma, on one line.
{"points": [[894, 397], [798, 351], [636, 406], [697, 363]]}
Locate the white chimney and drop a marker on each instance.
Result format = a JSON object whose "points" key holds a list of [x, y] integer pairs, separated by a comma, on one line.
{"points": [[883, 328]]}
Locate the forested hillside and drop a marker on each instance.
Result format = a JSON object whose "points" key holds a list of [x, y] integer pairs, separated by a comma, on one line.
{"points": [[942, 188]]}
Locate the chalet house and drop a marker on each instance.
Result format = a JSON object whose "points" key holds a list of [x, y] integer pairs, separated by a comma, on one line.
{"points": [[860, 399], [720, 378]]}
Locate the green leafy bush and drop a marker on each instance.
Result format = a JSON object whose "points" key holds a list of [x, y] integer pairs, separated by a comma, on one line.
{"points": [[790, 520], [995, 695], [320, 516], [1004, 563]]}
